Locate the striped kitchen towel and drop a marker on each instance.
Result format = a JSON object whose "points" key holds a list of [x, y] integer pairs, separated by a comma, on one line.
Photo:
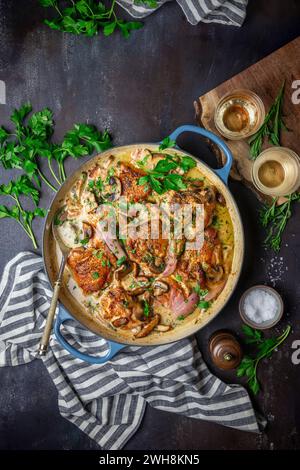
{"points": [[230, 12], [108, 401]]}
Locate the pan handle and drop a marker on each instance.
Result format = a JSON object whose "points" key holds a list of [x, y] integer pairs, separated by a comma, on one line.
{"points": [[223, 173], [113, 348]]}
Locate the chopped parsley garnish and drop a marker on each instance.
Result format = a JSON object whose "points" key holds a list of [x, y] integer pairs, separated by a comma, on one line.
{"points": [[182, 317], [98, 254], [203, 304], [178, 277], [146, 309], [84, 241], [95, 275], [201, 292]]}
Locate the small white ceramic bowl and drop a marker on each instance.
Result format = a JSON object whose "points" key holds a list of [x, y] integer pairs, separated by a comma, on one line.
{"points": [[266, 324]]}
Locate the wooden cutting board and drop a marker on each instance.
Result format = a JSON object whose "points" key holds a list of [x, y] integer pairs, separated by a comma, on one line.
{"points": [[264, 78]]}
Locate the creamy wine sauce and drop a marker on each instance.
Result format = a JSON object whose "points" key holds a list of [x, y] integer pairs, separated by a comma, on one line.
{"points": [[71, 233]]}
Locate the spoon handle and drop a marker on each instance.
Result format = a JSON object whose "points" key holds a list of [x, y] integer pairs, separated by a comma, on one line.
{"points": [[49, 321]]}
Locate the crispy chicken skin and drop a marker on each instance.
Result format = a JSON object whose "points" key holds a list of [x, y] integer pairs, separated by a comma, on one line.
{"points": [[116, 303], [129, 176], [149, 253], [194, 263], [91, 269], [206, 196]]}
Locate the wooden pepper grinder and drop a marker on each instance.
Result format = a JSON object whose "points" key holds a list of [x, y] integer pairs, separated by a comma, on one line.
{"points": [[225, 350]]}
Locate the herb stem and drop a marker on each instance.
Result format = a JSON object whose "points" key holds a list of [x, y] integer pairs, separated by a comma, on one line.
{"points": [[62, 171], [53, 173], [32, 236], [43, 177]]}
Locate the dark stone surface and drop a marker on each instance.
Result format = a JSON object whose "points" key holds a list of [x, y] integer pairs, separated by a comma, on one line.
{"points": [[142, 89]]}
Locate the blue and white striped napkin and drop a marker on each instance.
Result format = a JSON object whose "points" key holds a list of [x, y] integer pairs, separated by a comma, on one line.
{"points": [[108, 401], [230, 12]]}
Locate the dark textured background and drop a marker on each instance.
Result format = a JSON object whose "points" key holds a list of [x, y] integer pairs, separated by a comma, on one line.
{"points": [[141, 89]]}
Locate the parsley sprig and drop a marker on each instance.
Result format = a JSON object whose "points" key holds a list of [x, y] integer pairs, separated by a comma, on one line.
{"points": [[265, 346], [275, 218], [167, 143], [271, 127], [20, 188], [160, 179], [30, 140], [88, 18]]}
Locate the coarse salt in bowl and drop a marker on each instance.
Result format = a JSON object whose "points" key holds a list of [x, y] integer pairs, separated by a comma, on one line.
{"points": [[261, 307]]}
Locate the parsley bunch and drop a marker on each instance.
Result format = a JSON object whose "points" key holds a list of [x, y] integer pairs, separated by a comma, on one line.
{"points": [[31, 139], [16, 190], [88, 17], [275, 219], [265, 346], [271, 127]]}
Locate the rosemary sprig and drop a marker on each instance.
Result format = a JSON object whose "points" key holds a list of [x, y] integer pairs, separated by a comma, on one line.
{"points": [[248, 366], [270, 128], [275, 218]]}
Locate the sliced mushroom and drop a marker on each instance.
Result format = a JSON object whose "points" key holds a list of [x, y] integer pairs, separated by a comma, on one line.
{"points": [[160, 288], [122, 321], [137, 312], [125, 269], [221, 199], [148, 327], [163, 328], [87, 230], [214, 273], [112, 190], [136, 329], [209, 194], [156, 265], [196, 182]]}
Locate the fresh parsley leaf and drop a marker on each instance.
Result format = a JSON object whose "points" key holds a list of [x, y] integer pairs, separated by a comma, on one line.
{"points": [[186, 163], [167, 143], [84, 241], [95, 275]]}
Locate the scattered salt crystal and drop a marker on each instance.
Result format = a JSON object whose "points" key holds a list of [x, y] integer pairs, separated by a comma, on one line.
{"points": [[260, 306]]}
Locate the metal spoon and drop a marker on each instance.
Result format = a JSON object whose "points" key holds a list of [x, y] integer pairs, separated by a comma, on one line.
{"points": [[65, 250]]}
